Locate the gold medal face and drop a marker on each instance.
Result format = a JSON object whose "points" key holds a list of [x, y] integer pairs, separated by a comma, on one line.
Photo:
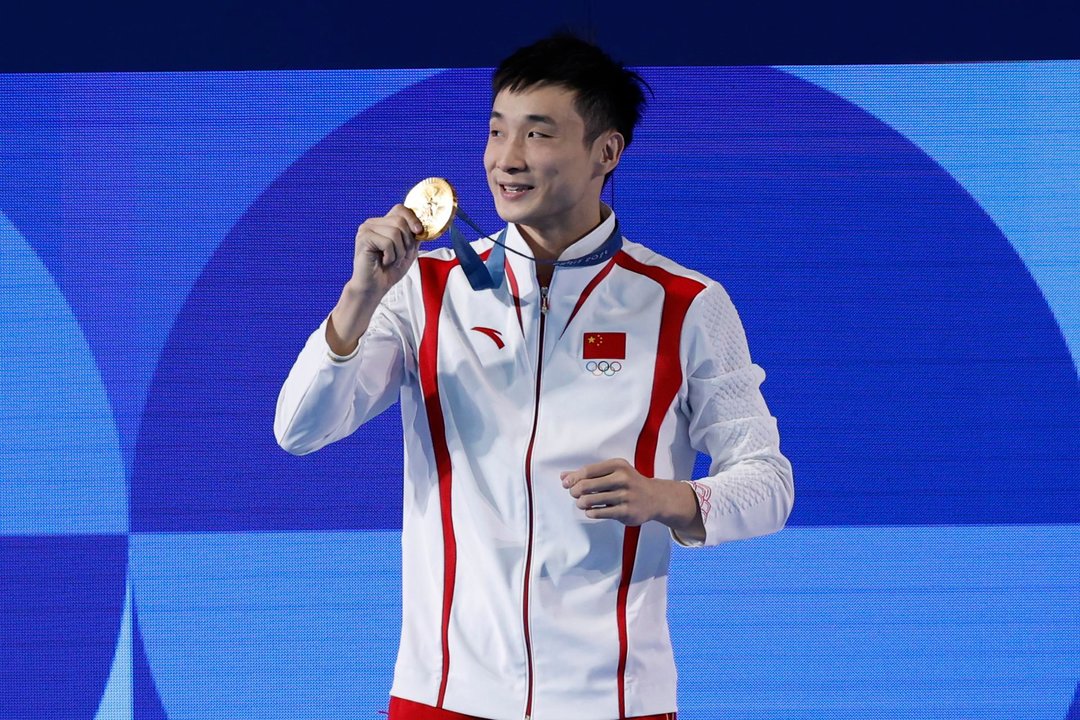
{"points": [[434, 202]]}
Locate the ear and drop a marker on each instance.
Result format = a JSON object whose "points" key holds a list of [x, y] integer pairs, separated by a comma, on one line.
{"points": [[607, 151]]}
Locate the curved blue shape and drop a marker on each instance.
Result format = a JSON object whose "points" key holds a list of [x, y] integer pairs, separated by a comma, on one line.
{"points": [[145, 701], [917, 372], [213, 395], [920, 623], [115, 701], [31, 169], [1010, 135], [61, 604], [978, 622], [267, 625], [125, 183], [59, 451]]}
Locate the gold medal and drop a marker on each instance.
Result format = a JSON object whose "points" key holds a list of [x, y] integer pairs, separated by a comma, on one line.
{"points": [[434, 202]]}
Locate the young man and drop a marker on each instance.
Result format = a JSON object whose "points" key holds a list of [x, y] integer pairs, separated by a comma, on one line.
{"points": [[550, 421]]}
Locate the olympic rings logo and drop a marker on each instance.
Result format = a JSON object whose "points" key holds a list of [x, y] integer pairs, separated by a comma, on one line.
{"points": [[603, 367]]}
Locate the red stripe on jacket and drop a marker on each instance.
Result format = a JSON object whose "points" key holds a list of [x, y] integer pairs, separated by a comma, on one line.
{"points": [[433, 278], [679, 293]]}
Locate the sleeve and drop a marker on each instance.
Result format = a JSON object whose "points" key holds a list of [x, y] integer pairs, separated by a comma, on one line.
{"points": [[327, 396], [750, 489]]}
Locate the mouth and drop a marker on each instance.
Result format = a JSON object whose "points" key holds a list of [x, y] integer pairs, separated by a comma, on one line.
{"points": [[514, 190]]}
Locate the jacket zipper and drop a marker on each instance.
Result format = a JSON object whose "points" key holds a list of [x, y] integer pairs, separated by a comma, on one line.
{"points": [[528, 489]]}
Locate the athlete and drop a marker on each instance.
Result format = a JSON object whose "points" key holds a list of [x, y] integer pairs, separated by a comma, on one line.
{"points": [[551, 419]]}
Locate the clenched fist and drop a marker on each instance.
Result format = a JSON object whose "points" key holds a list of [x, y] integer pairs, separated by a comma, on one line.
{"points": [[385, 249]]}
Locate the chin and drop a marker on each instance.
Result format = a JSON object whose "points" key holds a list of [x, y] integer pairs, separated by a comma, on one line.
{"points": [[511, 214]]}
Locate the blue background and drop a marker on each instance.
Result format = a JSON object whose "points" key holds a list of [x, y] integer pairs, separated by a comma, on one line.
{"points": [[901, 242]]}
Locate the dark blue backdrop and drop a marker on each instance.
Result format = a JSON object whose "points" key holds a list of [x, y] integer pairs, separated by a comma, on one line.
{"points": [[901, 245]]}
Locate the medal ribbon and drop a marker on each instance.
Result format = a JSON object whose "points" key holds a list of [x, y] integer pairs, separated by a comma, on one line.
{"points": [[484, 276], [481, 275]]}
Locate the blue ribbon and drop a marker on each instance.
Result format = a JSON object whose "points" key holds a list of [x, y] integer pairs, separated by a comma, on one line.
{"points": [[481, 275], [487, 275]]}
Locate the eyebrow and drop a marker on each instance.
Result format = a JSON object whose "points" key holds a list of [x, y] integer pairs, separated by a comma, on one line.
{"points": [[546, 119]]}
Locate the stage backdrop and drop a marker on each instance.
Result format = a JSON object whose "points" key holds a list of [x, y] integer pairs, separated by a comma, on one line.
{"points": [[903, 244]]}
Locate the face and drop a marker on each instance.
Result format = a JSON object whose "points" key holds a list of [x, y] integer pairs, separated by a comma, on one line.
{"points": [[539, 169]]}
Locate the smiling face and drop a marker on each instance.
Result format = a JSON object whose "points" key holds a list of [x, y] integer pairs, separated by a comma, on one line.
{"points": [[541, 173]]}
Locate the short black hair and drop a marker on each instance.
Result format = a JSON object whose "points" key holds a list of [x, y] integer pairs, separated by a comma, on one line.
{"points": [[607, 95]]}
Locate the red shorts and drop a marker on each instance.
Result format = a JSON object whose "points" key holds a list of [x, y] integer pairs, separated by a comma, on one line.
{"points": [[409, 710]]}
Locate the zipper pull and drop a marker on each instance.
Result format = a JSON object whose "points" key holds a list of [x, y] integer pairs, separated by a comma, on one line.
{"points": [[544, 300]]}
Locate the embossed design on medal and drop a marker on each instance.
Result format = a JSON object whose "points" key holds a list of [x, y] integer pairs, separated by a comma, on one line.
{"points": [[434, 202]]}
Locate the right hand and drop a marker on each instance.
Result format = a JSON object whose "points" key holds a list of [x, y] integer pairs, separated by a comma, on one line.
{"points": [[386, 248]]}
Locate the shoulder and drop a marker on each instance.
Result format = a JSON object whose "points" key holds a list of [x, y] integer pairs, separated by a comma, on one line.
{"points": [[674, 277], [710, 314]]}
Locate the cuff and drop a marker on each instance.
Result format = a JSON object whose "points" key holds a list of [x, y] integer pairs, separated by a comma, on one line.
{"points": [[333, 356], [343, 358], [703, 492]]}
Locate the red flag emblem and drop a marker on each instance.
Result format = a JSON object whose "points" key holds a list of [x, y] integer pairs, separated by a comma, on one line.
{"points": [[604, 346]]}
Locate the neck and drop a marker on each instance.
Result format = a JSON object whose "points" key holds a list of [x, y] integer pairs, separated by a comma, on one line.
{"points": [[550, 246], [550, 243]]}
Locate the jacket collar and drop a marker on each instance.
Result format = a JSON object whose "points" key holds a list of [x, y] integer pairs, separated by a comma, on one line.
{"points": [[582, 247], [568, 282]]}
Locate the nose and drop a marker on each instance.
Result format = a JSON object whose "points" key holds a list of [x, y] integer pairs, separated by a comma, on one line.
{"points": [[509, 155]]}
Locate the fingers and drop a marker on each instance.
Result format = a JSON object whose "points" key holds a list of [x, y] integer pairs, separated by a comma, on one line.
{"points": [[611, 489], [595, 477], [389, 241], [601, 499], [592, 486], [383, 243], [609, 512], [414, 224], [621, 504]]}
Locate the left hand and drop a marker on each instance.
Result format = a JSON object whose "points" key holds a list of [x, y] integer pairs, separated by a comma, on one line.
{"points": [[613, 489]]}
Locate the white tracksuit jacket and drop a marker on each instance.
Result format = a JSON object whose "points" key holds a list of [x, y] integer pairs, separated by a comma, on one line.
{"points": [[514, 603]]}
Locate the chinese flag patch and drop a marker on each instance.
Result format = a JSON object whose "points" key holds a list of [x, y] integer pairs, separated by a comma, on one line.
{"points": [[604, 346]]}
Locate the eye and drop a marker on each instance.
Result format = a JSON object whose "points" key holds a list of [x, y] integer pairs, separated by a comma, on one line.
{"points": [[494, 133], [537, 134]]}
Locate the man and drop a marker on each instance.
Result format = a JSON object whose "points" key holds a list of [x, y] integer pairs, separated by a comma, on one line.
{"points": [[550, 421]]}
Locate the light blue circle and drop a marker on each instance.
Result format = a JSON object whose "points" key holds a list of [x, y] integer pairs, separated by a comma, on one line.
{"points": [[59, 449]]}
